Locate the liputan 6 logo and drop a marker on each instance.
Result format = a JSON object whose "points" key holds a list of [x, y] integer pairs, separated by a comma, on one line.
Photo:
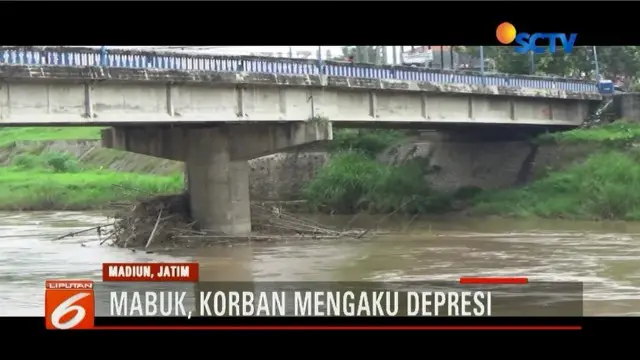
{"points": [[69, 304]]}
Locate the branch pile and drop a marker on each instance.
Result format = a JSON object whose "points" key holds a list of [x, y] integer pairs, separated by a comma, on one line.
{"points": [[165, 221]]}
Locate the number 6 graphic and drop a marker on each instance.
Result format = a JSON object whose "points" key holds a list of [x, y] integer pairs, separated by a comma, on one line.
{"points": [[65, 308]]}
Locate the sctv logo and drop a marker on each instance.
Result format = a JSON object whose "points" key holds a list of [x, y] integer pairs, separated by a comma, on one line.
{"points": [[507, 34]]}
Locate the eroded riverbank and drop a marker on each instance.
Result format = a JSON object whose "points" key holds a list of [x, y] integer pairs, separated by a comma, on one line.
{"points": [[603, 255], [580, 174]]}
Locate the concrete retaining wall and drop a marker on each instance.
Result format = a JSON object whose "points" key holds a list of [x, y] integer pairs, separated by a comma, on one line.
{"points": [[487, 165]]}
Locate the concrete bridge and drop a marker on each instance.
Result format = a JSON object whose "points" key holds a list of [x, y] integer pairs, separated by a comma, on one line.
{"points": [[217, 112]]}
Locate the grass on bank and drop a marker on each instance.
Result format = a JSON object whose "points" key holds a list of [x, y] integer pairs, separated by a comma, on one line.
{"points": [[617, 132], [42, 190], [605, 186], [352, 181], [55, 181], [12, 134], [369, 142]]}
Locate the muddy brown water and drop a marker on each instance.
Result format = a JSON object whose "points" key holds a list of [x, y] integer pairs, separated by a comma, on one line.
{"points": [[605, 256]]}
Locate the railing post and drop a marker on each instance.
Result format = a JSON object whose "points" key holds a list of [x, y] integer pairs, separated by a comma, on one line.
{"points": [[241, 66]]}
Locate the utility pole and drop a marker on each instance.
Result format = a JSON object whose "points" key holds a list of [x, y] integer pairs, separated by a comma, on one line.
{"points": [[482, 63], [395, 55], [452, 57], [320, 59], [596, 64], [532, 60]]}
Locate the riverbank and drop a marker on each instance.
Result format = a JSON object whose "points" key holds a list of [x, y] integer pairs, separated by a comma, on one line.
{"points": [[51, 169], [589, 174], [605, 185], [593, 174], [46, 189]]}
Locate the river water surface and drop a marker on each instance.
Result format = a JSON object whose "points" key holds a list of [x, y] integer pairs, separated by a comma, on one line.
{"points": [[604, 256]]}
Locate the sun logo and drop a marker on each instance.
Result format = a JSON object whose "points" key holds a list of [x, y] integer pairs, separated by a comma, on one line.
{"points": [[506, 33]]}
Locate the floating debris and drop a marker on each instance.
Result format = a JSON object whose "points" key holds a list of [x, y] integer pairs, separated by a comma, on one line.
{"points": [[166, 222]]}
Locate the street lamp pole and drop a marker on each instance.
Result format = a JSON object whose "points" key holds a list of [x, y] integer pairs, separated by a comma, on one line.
{"points": [[482, 63], [597, 65], [532, 59]]}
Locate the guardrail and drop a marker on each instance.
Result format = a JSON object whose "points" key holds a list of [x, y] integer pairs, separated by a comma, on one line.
{"points": [[62, 56]]}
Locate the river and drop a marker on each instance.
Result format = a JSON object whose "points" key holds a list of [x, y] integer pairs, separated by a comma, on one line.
{"points": [[605, 256]]}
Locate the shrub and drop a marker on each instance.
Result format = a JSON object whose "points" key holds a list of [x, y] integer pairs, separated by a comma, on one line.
{"points": [[352, 182], [367, 142], [62, 162], [605, 186], [27, 161]]}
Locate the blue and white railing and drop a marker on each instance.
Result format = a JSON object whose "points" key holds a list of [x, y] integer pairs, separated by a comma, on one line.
{"points": [[67, 56]]}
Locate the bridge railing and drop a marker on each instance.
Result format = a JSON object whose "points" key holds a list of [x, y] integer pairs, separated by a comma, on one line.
{"points": [[65, 56]]}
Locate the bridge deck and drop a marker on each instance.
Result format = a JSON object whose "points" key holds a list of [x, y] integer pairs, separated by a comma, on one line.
{"points": [[47, 95], [83, 57]]}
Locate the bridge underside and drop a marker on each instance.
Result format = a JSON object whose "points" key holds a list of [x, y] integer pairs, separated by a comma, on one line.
{"points": [[216, 122], [216, 161]]}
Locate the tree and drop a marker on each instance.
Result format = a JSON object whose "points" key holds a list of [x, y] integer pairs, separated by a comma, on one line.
{"points": [[615, 62], [365, 54]]}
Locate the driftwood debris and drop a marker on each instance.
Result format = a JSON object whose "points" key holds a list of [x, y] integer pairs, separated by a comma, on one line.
{"points": [[165, 221]]}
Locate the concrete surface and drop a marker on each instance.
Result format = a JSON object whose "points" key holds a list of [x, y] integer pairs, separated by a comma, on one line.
{"points": [[627, 106], [216, 161], [218, 186], [139, 58], [248, 141], [38, 95]]}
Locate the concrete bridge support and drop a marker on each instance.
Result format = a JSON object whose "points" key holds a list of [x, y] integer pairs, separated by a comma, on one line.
{"points": [[219, 186], [216, 161]]}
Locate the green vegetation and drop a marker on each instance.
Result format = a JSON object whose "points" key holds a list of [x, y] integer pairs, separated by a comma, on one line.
{"points": [[615, 62], [369, 142], [40, 189], [620, 132], [606, 186], [55, 180], [12, 134], [354, 181]]}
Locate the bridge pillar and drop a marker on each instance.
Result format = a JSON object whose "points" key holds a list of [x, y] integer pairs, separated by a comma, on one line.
{"points": [[218, 185], [216, 157]]}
